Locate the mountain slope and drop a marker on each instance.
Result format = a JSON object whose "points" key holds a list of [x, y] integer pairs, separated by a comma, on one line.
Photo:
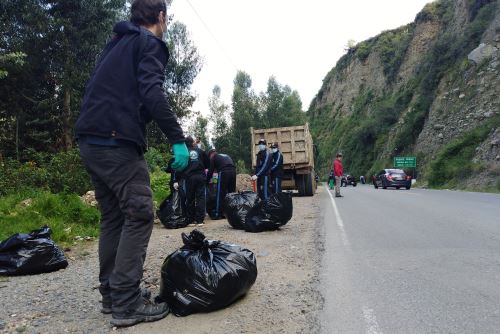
{"points": [[414, 91]]}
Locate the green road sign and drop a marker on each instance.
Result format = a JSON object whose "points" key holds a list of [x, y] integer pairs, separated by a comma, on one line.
{"points": [[401, 162]]}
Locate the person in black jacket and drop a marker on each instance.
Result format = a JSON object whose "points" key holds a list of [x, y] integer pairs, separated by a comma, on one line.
{"points": [[223, 164], [194, 184], [276, 169], [263, 170], [124, 92]]}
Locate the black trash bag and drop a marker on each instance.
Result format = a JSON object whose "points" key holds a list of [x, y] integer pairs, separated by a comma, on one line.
{"points": [[33, 253], [205, 275], [236, 207], [171, 213], [271, 214]]}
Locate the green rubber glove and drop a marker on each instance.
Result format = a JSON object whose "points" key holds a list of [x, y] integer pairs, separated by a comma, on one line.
{"points": [[181, 154]]}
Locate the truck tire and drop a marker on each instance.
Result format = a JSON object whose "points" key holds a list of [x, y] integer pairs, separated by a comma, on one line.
{"points": [[309, 186], [300, 182]]}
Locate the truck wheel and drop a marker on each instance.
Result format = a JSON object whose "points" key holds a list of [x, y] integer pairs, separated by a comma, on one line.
{"points": [[300, 182], [309, 187]]}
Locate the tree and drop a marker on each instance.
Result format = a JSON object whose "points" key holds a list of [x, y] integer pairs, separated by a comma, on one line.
{"points": [[61, 40], [245, 115], [219, 117], [281, 106], [183, 66], [199, 129]]}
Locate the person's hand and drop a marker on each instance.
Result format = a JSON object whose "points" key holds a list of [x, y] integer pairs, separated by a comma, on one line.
{"points": [[181, 154], [254, 177], [176, 186]]}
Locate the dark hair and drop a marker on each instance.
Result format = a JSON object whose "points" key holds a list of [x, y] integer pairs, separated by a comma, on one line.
{"points": [[145, 12], [189, 141]]}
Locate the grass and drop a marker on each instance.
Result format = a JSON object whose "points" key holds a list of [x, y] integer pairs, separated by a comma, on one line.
{"points": [[65, 214]]}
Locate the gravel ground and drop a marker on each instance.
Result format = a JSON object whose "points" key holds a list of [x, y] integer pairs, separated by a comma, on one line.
{"points": [[284, 299]]}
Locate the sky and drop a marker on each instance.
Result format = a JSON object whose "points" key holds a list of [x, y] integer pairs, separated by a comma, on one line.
{"points": [[298, 42]]}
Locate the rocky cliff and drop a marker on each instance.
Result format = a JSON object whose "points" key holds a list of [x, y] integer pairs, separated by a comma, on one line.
{"points": [[429, 89]]}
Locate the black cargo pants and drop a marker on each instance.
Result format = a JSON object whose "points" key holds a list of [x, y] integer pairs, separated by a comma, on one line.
{"points": [[196, 198], [226, 184], [121, 180]]}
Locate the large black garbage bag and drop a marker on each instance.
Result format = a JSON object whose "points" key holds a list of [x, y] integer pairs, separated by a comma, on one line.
{"points": [[171, 213], [271, 214], [236, 207], [206, 275], [33, 253]]}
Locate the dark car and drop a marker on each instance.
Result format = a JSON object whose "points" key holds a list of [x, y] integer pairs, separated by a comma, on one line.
{"points": [[348, 179], [396, 178]]}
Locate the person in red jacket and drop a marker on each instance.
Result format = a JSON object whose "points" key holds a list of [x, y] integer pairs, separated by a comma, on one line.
{"points": [[338, 171]]}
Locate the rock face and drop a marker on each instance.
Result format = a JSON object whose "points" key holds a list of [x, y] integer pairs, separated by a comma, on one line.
{"points": [[89, 198], [483, 52], [400, 94]]}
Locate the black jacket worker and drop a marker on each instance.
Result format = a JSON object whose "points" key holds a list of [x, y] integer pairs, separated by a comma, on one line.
{"points": [[263, 170], [194, 185], [223, 164], [276, 168], [123, 94]]}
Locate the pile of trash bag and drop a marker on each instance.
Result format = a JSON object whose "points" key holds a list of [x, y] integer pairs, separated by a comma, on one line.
{"points": [[33, 253], [271, 214], [171, 212], [236, 207], [205, 275]]}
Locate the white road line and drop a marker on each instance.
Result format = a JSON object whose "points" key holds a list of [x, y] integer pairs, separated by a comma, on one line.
{"points": [[340, 223], [369, 317], [371, 321]]}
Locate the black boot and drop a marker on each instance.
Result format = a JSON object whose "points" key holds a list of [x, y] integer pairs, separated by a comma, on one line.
{"points": [[144, 311], [106, 301]]}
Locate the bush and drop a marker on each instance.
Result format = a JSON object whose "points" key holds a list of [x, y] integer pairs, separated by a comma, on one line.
{"points": [[62, 172], [160, 185], [454, 162], [65, 214], [157, 158]]}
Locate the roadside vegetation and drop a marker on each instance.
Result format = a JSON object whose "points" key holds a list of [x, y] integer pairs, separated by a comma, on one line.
{"points": [[455, 161]]}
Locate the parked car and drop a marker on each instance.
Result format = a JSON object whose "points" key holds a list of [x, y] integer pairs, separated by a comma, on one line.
{"points": [[348, 179], [396, 178]]}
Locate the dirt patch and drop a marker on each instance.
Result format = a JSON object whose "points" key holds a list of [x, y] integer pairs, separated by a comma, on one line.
{"points": [[243, 182], [284, 298]]}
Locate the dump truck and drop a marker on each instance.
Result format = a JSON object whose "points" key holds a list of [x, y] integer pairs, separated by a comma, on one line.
{"points": [[296, 145]]}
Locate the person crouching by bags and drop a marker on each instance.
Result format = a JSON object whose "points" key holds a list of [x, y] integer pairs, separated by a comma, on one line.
{"points": [[194, 184], [276, 169], [223, 164], [263, 170]]}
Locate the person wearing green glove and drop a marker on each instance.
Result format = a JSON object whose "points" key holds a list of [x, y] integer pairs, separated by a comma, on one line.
{"points": [[123, 94]]}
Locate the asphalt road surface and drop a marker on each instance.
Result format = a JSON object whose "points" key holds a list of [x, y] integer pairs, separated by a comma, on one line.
{"points": [[417, 261]]}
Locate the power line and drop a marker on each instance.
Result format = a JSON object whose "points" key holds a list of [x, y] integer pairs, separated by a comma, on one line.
{"points": [[213, 36]]}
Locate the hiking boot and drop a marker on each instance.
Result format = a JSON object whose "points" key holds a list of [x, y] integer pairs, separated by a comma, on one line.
{"points": [[106, 301], [145, 311], [338, 195]]}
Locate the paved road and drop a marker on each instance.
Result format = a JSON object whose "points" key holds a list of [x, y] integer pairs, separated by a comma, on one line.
{"points": [[417, 261]]}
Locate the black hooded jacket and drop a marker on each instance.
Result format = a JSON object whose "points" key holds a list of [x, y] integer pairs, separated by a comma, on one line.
{"points": [[220, 162], [125, 90]]}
